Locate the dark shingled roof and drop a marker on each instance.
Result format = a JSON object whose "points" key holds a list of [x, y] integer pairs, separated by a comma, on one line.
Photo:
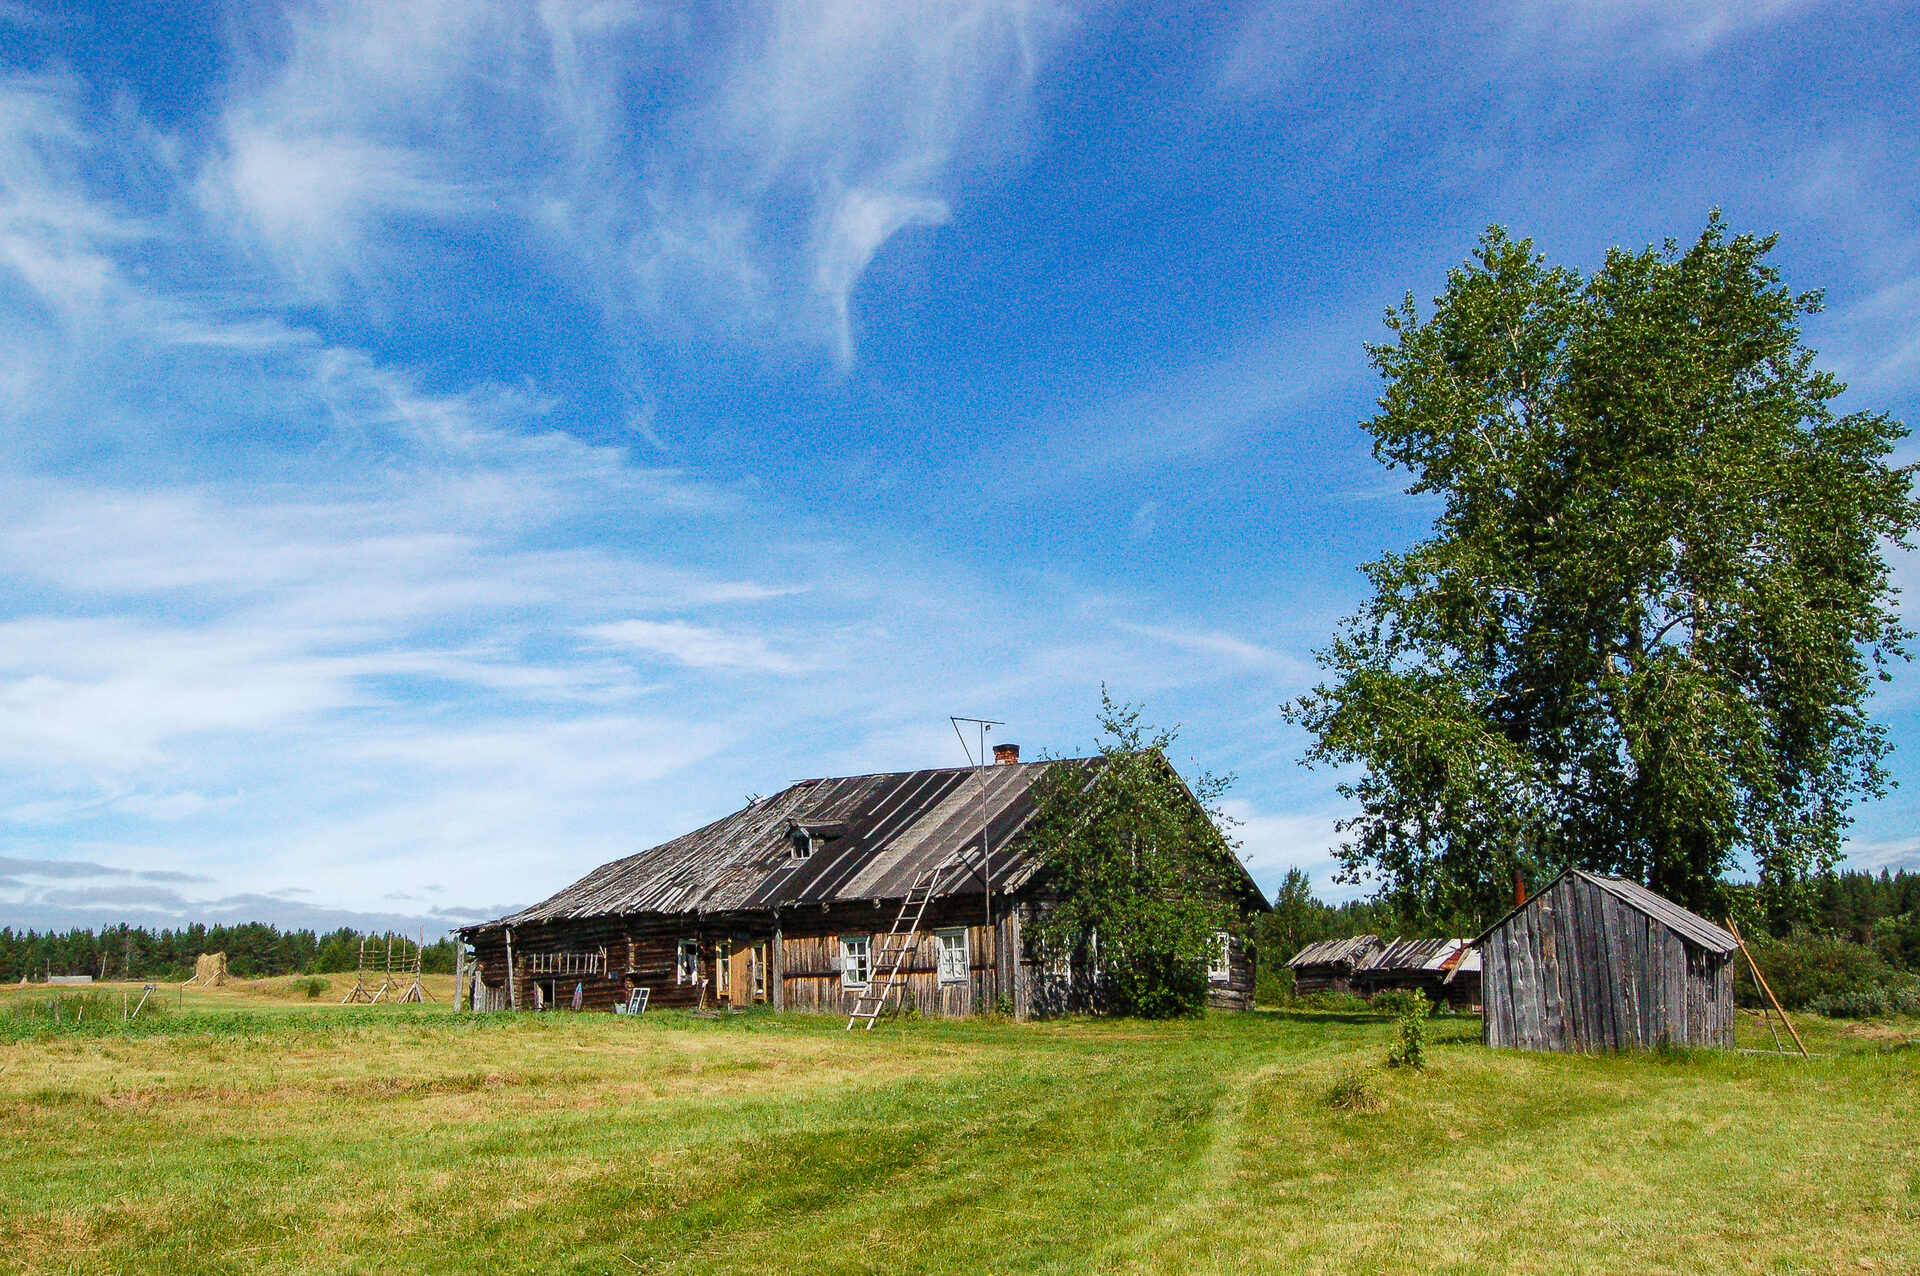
{"points": [[875, 835], [1690, 926]]}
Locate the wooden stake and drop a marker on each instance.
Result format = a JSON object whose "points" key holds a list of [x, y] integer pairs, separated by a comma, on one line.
{"points": [[1768, 1016], [1767, 988]]}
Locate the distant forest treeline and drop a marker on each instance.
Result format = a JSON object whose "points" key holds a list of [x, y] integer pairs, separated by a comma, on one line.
{"points": [[254, 950]]}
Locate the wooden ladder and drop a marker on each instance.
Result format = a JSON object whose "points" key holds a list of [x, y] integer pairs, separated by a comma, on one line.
{"points": [[891, 952]]}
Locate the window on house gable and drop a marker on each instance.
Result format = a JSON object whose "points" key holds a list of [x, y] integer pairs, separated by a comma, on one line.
{"points": [[953, 955], [1220, 965], [686, 965], [856, 960]]}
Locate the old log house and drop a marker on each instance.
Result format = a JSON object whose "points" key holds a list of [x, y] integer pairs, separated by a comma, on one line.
{"points": [[1446, 970], [784, 903], [1328, 966]]}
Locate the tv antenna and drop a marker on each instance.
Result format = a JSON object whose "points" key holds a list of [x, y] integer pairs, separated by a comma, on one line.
{"points": [[979, 763]]}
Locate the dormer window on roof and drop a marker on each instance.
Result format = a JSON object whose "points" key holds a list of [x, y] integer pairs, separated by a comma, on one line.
{"points": [[805, 839]]}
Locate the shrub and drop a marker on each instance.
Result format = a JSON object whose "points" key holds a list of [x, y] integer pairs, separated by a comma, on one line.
{"points": [[1272, 986], [1156, 985], [1869, 1003], [314, 986], [1330, 1001], [1402, 1002], [1356, 1092], [1803, 968], [1409, 1048]]}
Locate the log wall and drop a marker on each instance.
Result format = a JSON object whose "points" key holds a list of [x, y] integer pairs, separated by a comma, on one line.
{"points": [[803, 962]]}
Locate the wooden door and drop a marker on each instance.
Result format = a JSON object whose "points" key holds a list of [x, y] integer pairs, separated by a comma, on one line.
{"points": [[740, 976]]}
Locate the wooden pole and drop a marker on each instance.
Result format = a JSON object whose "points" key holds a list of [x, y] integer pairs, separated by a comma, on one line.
{"points": [[513, 984], [1767, 988]]}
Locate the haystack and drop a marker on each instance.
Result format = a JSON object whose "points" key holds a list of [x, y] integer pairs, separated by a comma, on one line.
{"points": [[209, 970]]}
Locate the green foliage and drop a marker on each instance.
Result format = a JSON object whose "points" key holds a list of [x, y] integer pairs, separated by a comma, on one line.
{"points": [[1642, 637], [1411, 1010], [1402, 1002], [1343, 1002], [314, 986], [84, 1011], [1143, 880], [1804, 968], [1869, 1003], [1409, 1048]]}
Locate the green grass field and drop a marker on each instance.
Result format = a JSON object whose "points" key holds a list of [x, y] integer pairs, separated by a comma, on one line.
{"points": [[253, 1133]]}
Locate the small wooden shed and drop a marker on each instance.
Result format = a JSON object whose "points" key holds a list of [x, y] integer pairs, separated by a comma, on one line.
{"points": [[1601, 963]]}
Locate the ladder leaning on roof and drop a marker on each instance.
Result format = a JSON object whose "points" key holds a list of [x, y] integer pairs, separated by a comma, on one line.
{"points": [[891, 952]]}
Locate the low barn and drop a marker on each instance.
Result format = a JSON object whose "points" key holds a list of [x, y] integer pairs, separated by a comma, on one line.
{"points": [[1600, 963], [1328, 966], [1441, 968], [808, 899]]}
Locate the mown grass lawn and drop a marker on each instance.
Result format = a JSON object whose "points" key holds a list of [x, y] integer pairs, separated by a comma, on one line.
{"points": [[348, 1140]]}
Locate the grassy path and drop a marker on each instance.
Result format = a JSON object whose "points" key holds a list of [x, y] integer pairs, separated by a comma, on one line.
{"points": [[344, 1142]]}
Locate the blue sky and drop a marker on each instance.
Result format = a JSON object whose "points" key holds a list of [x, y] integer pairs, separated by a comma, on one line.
{"points": [[447, 446]]}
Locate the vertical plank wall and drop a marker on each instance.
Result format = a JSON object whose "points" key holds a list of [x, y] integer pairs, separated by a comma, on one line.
{"points": [[1578, 969]]}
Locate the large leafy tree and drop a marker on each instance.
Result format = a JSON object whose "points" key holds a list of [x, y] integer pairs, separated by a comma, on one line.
{"points": [[1138, 868], [1643, 635]]}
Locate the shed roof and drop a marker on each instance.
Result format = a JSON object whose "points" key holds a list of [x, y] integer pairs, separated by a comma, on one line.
{"points": [[1336, 952], [1413, 954], [874, 836], [1690, 926]]}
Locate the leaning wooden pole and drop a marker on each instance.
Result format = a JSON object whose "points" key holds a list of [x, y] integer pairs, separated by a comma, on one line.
{"points": [[1767, 988]]}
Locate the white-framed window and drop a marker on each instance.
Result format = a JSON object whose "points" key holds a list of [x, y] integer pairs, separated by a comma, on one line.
{"points": [[953, 954], [686, 963], [1220, 964], [723, 966], [856, 960]]}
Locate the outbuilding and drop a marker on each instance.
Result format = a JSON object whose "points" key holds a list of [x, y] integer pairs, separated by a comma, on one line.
{"points": [[1440, 968], [1601, 963], [1328, 966]]}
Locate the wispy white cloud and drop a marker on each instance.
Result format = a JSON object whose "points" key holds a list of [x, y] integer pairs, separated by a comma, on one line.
{"points": [[1233, 650], [746, 200], [696, 646], [1271, 842]]}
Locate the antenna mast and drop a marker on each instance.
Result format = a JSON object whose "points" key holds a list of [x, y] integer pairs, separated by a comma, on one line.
{"points": [[979, 762]]}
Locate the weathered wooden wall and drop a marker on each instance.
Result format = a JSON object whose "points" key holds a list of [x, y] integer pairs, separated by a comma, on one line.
{"points": [[811, 972], [804, 971], [1461, 993], [1236, 991], [1578, 970], [1311, 979]]}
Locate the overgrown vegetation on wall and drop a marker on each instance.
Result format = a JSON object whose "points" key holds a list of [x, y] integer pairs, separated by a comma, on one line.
{"points": [[1141, 873]]}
